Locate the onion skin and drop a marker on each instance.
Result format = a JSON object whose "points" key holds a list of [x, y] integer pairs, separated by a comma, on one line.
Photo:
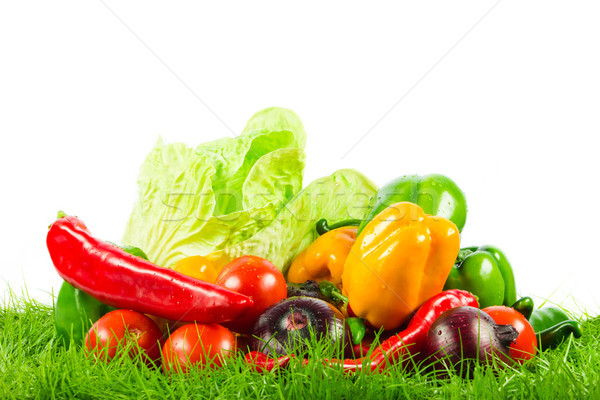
{"points": [[463, 336], [309, 288], [288, 325]]}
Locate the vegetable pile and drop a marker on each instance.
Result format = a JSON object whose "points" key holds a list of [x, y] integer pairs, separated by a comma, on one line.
{"points": [[225, 253]]}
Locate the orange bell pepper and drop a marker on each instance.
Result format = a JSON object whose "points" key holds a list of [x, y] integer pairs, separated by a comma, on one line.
{"points": [[400, 259], [324, 259]]}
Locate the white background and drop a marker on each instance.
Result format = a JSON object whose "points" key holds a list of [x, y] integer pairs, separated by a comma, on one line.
{"points": [[503, 97]]}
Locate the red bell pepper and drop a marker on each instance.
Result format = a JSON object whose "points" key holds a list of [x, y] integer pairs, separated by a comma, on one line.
{"points": [[122, 280]]}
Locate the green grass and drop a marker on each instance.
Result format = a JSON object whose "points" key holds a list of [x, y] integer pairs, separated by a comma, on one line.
{"points": [[34, 365]]}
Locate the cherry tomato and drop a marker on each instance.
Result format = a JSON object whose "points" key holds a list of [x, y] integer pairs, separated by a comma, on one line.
{"points": [[525, 346], [257, 278], [203, 344], [119, 327]]}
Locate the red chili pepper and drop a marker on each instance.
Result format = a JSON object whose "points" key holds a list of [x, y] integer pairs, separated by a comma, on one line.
{"points": [[362, 348], [411, 340], [261, 362], [408, 342], [121, 280]]}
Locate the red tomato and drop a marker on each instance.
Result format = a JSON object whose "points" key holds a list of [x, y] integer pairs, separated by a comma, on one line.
{"points": [[119, 327], [525, 346], [197, 344], [257, 278]]}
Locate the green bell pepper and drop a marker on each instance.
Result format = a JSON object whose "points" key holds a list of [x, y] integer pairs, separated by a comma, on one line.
{"points": [[525, 306], [551, 338], [485, 272], [552, 326], [547, 317], [76, 311], [435, 194]]}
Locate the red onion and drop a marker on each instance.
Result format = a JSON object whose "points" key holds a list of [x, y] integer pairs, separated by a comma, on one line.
{"points": [[290, 323], [465, 335]]}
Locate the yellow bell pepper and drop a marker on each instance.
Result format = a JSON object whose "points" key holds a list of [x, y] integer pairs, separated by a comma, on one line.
{"points": [[324, 258], [198, 267], [400, 259]]}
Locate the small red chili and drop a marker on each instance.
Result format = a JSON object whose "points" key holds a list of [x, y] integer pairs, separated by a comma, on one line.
{"points": [[261, 362]]}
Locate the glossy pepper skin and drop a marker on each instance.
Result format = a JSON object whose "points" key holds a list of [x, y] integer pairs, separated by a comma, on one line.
{"points": [[199, 267], [435, 194], [75, 311], [525, 306], [409, 342], [401, 259], [552, 326], [544, 318], [485, 272], [552, 337], [324, 259], [122, 280]]}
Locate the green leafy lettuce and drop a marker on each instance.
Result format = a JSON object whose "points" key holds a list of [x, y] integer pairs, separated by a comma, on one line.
{"points": [[343, 195], [193, 201], [239, 196]]}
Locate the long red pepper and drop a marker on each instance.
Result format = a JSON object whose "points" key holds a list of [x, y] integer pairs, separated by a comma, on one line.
{"points": [[411, 340], [408, 342], [121, 280]]}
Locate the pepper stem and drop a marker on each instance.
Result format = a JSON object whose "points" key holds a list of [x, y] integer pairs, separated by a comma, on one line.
{"points": [[323, 227], [339, 296], [525, 306], [357, 329], [462, 254], [329, 290]]}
